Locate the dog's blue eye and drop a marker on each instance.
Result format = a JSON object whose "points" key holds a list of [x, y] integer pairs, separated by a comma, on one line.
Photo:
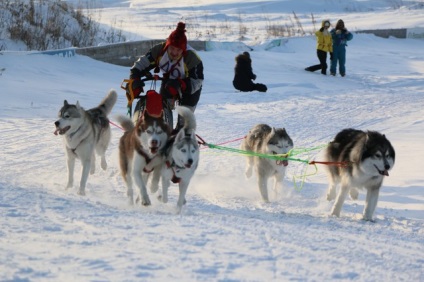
{"points": [[183, 150]]}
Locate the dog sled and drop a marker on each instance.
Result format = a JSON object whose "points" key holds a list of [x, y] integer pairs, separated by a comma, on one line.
{"points": [[151, 100]]}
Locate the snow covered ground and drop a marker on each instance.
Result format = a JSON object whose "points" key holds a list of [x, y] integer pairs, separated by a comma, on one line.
{"points": [[224, 233]]}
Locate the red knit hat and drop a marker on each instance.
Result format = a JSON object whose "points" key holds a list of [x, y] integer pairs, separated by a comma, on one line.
{"points": [[177, 38]]}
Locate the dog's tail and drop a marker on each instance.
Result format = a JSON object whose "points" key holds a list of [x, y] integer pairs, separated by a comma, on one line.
{"points": [[108, 102], [126, 123], [189, 119]]}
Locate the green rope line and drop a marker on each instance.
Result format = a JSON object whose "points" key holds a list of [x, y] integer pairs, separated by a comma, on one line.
{"points": [[278, 157], [292, 152]]}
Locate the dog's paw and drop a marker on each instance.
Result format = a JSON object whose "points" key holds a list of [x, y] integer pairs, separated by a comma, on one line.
{"points": [[331, 195], [163, 199], [366, 217], [335, 213], [69, 185], [103, 164], [81, 192], [146, 201], [353, 193]]}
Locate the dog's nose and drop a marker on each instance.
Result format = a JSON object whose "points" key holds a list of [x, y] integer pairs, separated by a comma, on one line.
{"points": [[190, 161], [154, 142], [57, 123], [387, 166]]}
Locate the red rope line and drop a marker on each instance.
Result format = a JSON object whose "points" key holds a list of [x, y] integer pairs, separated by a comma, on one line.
{"points": [[114, 124], [339, 164]]}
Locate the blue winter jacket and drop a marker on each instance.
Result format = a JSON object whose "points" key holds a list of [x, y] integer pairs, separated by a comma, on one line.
{"points": [[339, 40]]}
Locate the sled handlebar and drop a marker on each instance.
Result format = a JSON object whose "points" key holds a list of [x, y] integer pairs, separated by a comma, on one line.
{"points": [[128, 82]]}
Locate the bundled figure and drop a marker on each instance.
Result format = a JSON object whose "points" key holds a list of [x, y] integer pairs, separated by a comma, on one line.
{"points": [[340, 36], [243, 75], [181, 68], [324, 45]]}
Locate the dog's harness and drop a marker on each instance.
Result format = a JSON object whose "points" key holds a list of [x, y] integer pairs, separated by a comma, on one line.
{"points": [[70, 137], [175, 178], [146, 157]]}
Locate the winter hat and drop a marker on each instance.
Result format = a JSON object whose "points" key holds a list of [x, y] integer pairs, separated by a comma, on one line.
{"points": [[177, 38], [246, 54]]}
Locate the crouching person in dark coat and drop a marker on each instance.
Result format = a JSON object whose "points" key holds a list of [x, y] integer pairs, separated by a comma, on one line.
{"points": [[244, 75]]}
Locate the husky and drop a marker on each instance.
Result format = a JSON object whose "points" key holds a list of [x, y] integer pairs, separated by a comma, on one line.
{"points": [[138, 147], [264, 139], [370, 156], [84, 133], [181, 157]]}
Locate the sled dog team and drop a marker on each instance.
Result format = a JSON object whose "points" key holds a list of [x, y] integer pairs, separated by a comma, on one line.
{"points": [[147, 150]]}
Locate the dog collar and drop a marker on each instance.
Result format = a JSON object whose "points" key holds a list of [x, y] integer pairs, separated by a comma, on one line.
{"points": [[175, 178]]}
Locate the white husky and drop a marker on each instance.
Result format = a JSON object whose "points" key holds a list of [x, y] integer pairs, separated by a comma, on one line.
{"points": [[84, 133], [370, 156], [181, 158], [264, 139]]}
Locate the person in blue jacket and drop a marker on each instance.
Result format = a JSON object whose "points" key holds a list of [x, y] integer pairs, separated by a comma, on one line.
{"points": [[340, 36]]}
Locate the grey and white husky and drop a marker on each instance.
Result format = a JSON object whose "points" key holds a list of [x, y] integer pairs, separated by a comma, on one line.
{"points": [[370, 156], [264, 139], [139, 147], [84, 134], [181, 157]]}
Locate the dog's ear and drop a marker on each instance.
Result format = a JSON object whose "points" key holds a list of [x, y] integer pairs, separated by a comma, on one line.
{"points": [[65, 103], [272, 131], [180, 135], [78, 105]]}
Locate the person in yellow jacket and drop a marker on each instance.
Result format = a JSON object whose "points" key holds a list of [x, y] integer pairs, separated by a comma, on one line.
{"points": [[324, 45]]}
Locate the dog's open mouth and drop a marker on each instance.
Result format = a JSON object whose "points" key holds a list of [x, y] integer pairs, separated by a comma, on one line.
{"points": [[281, 162], [187, 165], [154, 150], [382, 172], [61, 131]]}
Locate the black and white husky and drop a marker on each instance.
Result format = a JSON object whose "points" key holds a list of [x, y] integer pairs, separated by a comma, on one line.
{"points": [[370, 156], [264, 139], [84, 134], [181, 157]]}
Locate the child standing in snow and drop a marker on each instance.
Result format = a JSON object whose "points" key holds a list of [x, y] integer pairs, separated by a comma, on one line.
{"points": [[324, 45], [244, 75], [340, 36]]}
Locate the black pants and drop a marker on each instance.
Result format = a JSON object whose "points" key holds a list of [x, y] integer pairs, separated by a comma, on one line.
{"points": [[322, 57]]}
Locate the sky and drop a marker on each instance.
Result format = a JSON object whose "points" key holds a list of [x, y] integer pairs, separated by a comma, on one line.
{"points": [[224, 232]]}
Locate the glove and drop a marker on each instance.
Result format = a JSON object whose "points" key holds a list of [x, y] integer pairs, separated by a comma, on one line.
{"points": [[254, 76], [175, 86], [137, 86]]}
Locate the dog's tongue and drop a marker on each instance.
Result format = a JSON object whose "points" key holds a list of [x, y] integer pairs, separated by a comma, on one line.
{"points": [[386, 173], [56, 131]]}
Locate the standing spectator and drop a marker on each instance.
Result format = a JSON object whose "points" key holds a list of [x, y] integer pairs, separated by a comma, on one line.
{"points": [[340, 36], [244, 75], [324, 45]]}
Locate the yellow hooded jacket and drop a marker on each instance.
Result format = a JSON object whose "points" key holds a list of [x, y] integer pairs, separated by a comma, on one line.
{"points": [[324, 40]]}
